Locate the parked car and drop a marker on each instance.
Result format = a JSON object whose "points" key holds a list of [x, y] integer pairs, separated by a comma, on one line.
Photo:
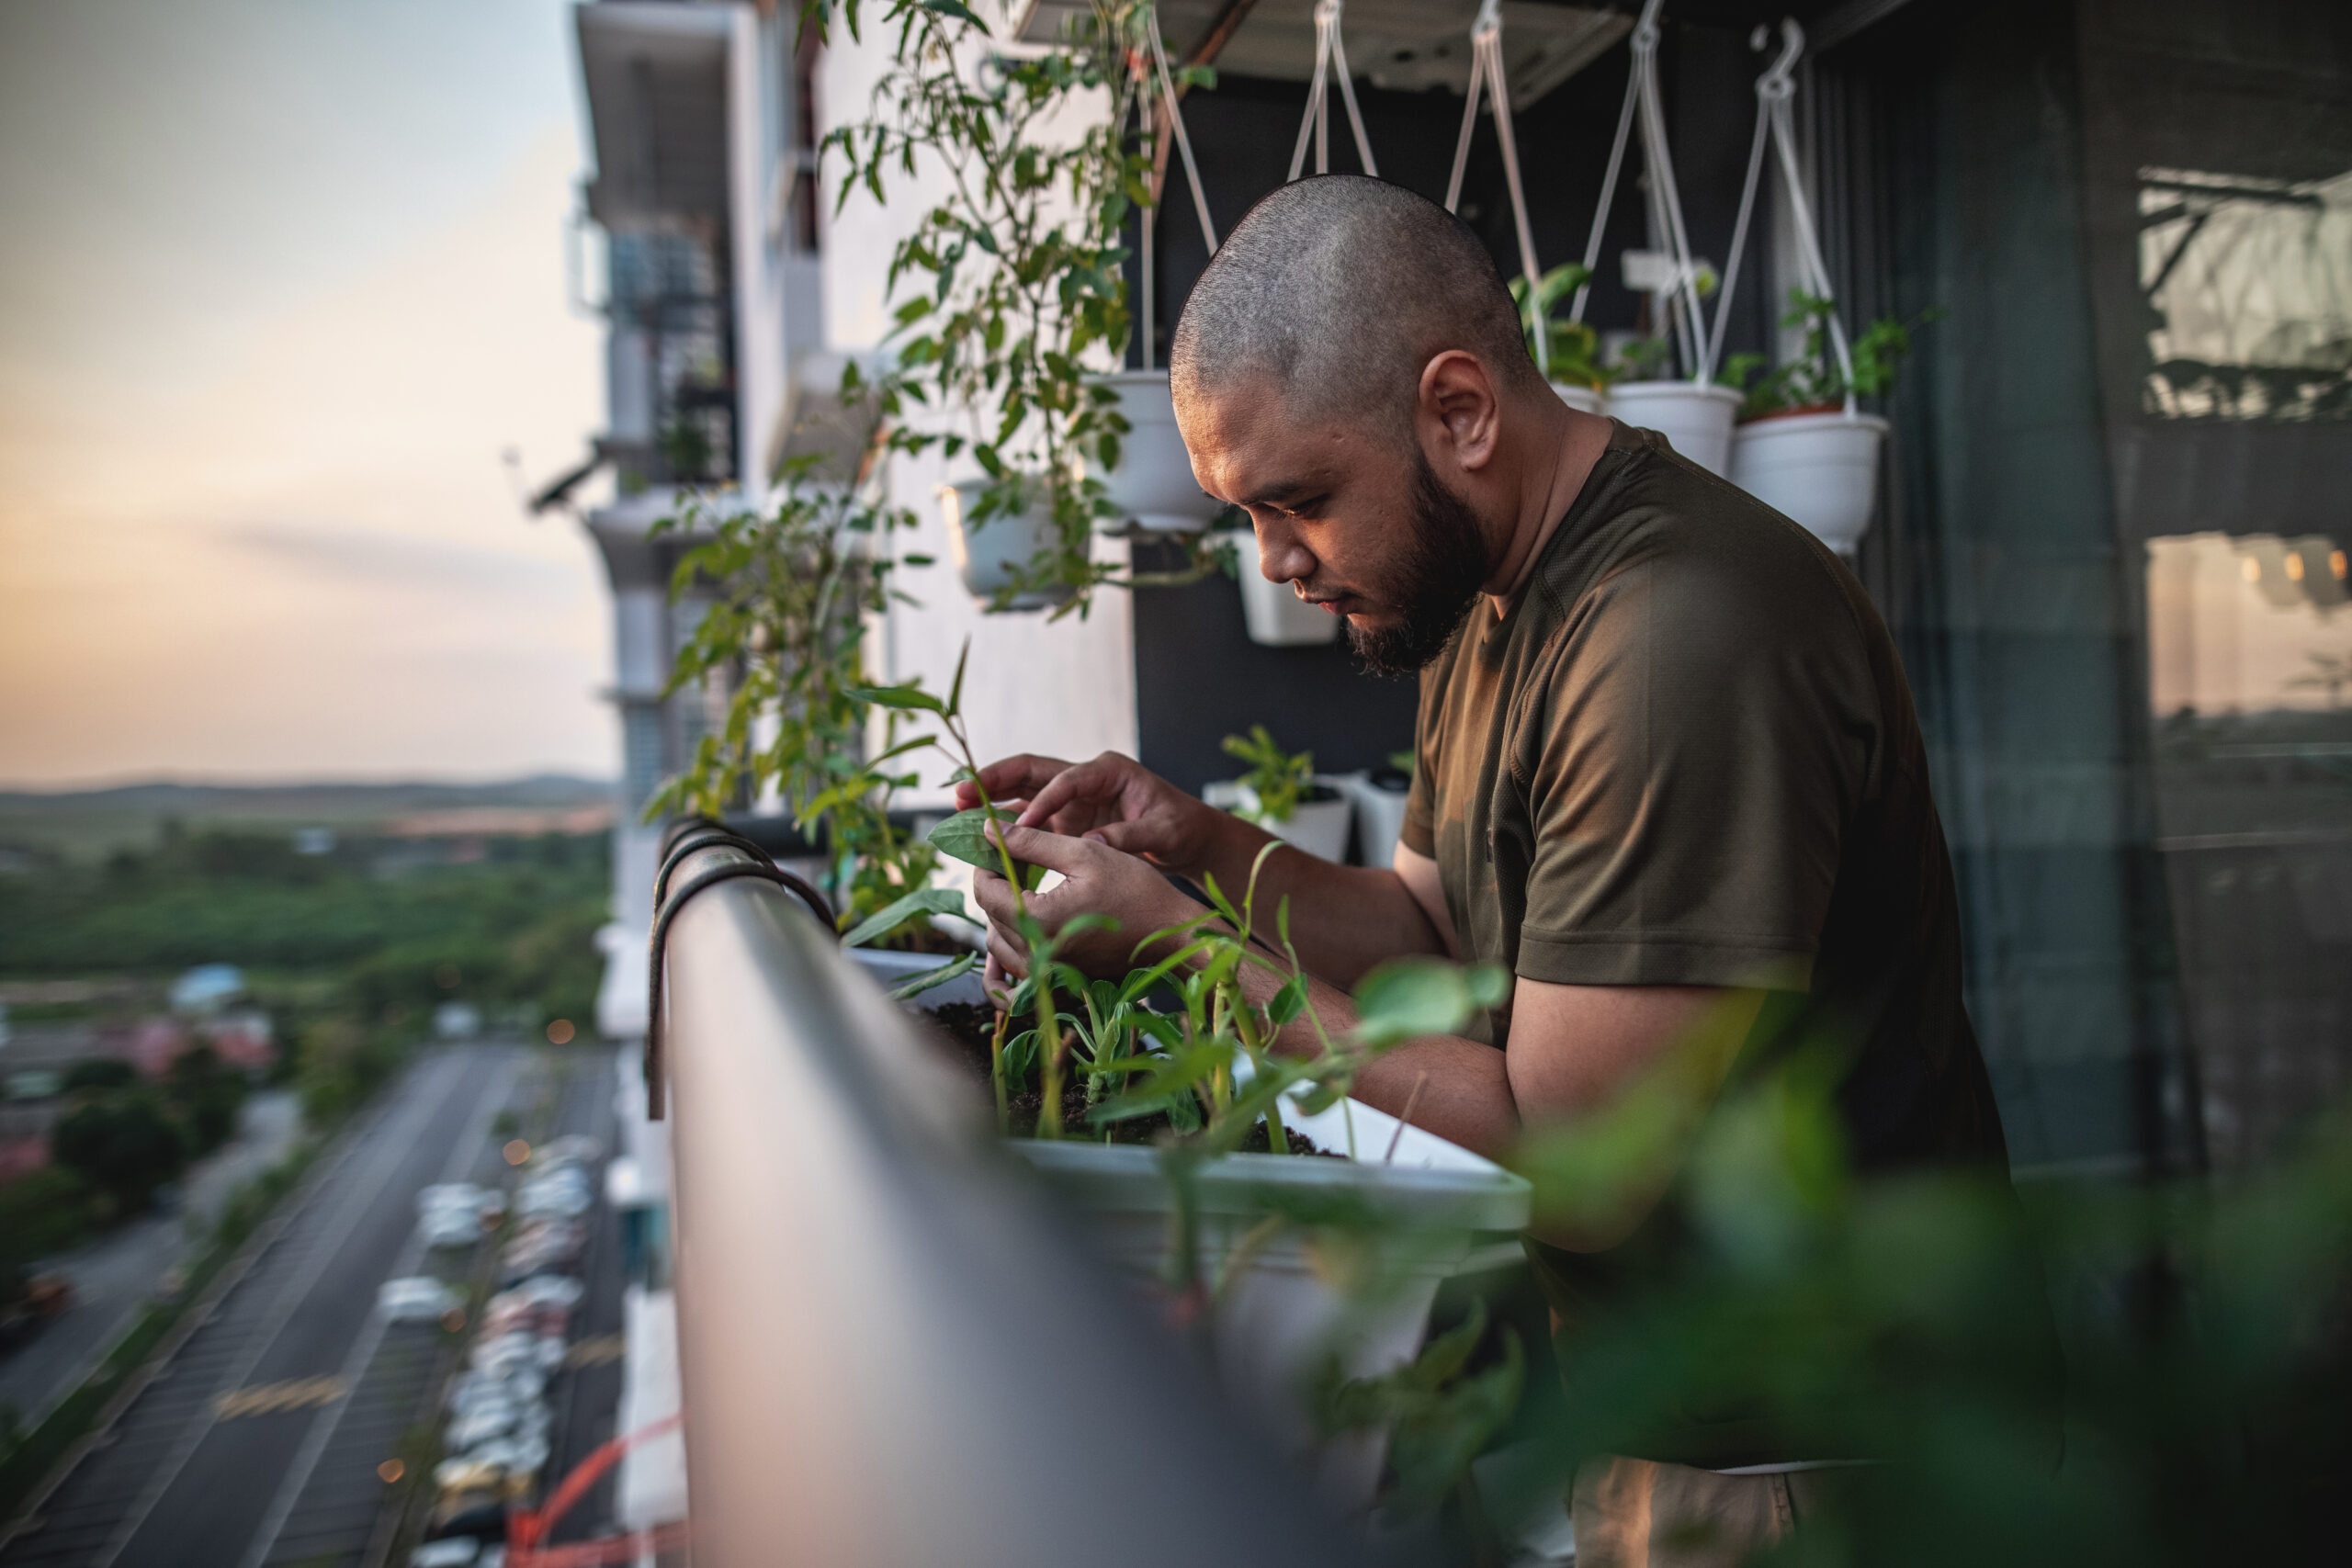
{"points": [[418, 1298]]}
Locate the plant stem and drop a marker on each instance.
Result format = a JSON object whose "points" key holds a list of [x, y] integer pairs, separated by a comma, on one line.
{"points": [[996, 1073]]}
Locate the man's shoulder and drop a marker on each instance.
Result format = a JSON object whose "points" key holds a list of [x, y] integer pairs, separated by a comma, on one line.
{"points": [[1657, 528]]}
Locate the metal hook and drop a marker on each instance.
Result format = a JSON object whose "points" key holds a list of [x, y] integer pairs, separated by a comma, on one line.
{"points": [[1779, 80], [1490, 19]]}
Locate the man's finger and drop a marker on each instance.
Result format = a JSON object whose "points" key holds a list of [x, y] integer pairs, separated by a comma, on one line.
{"points": [[1010, 778], [1089, 787], [1007, 956], [1055, 852], [993, 894]]}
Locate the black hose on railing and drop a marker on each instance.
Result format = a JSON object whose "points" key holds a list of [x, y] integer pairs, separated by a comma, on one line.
{"points": [[893, 1353]]}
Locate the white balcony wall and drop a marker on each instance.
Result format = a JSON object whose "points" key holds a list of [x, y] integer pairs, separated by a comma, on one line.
{"points": [[1064, 688]]}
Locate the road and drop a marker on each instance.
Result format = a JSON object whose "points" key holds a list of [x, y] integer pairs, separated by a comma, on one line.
{"points": [[588, 1397], [258, 1442], [116, 1276]]}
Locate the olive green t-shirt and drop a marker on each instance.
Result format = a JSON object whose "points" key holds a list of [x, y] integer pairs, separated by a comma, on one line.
{"points": [[1686, 755]]}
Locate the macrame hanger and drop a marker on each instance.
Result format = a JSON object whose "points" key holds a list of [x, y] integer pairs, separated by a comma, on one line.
{"points": [[1776, 123], [1644, 106], [1330, 58], [1487, 71], [1148, 79]]}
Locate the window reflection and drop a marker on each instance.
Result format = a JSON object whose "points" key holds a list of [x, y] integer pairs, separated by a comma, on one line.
{"points": [[2248, 288], [2250, 666]]}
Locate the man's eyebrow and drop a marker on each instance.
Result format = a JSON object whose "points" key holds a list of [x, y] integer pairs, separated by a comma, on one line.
{"points": [[1281, 492]]}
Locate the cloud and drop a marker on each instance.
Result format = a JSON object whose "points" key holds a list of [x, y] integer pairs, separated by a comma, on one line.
{"points": [[378, 557]]}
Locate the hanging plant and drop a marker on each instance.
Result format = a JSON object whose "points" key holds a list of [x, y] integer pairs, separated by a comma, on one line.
{"points": [[1013, 281], [1814, 381]]}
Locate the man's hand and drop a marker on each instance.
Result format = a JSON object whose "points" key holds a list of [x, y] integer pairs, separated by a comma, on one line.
{"points": [[1113, 798], [1097, 879]]}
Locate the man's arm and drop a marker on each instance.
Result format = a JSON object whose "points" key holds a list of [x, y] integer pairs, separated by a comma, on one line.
{"points": [[1574, 1050], [1344, 919]]}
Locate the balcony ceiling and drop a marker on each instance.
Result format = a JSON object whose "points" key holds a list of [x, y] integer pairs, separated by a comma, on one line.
{"points": [[656, 75], [1404, 45]]}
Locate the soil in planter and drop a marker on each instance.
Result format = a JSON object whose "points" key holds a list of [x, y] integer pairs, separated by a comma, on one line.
{"points": [[969, 1027]]}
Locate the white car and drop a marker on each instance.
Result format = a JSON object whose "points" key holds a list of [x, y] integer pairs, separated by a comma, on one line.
{"points": [[450, 1228], [417, 1299]]}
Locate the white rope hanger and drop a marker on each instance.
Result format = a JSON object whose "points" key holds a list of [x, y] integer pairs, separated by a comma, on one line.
{"points": [[1167, 86], [1776, 122], [1645, 107], [1486, 72], [1330, 58]]}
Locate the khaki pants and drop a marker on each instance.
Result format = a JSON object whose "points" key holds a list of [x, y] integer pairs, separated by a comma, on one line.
{"points": [[1634, 1513]]}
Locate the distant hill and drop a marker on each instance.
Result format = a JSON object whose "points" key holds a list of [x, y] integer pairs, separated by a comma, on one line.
{"points": [[93, 821]]}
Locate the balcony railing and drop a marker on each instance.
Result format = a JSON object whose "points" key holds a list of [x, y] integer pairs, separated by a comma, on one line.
{"points": [[892, 1352]]}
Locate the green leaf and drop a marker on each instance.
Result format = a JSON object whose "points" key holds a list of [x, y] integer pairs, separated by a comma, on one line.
{"points": [[1289, 1002], [964, 836], [1411, 996], [924, 982], [922, 901], [908, 697]]}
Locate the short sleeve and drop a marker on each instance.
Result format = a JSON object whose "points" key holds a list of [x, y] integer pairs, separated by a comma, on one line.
{"points": [[1420, 833], [1689, 756]]}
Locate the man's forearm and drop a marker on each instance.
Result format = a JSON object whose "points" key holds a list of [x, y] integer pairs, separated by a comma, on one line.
{"points": [[1343, 918], [1457, 1088]]}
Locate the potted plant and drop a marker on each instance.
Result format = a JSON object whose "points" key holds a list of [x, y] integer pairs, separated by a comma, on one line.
{"points": [[1283, 794], [1380, 796], [1143, 1102], [1271, 613], [1018, 268], [1801, 447], [1571, 351], [791, 589]]}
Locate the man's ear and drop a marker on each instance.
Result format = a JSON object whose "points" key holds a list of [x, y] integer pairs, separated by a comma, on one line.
{"points": [[1460, 409]]}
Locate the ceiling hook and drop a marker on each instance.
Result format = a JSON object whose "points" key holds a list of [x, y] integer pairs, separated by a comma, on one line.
{"points": [[1779, 80]]}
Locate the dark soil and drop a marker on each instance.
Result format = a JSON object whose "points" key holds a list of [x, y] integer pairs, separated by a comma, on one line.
{"points": [[969, 1027]]}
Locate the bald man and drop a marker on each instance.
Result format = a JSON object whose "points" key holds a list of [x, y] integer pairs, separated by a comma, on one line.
{"points": [[1667, 767]]}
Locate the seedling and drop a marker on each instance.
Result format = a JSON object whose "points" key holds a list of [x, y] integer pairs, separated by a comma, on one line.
{"points": [[1276, 780], [1814, 380]]}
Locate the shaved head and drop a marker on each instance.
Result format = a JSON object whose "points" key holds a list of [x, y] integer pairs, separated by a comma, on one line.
{"points": [[1338, 290]]}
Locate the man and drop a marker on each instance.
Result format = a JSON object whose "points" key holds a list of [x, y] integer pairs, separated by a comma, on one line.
{"points": [[1668, 765]]}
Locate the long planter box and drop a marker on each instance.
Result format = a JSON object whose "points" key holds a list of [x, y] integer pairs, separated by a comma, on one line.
{"points": [[1280, 1304]]}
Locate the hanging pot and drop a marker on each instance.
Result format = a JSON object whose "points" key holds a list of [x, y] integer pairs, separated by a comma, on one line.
{"points": [[1153, 483], [1274, 612], [1319, 823], [1584, 400], [987, 554], [1819, 468], [1694, 417], [1379, 800]]}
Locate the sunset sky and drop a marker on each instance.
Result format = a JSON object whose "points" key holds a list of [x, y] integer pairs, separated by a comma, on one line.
{"points": [[279, 281]]}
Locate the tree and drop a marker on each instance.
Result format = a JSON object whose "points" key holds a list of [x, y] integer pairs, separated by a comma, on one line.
{"points": [[122, 1145], [99, 1073]]}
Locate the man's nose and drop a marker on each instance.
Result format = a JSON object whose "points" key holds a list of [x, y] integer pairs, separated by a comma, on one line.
{"points": [[1281, 558]]}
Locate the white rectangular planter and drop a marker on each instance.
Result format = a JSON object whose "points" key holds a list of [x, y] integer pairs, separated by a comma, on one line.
{"points": [[1277, 1312]]}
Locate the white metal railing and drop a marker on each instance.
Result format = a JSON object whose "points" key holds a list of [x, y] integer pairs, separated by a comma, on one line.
{"points": [[891, 1352]]}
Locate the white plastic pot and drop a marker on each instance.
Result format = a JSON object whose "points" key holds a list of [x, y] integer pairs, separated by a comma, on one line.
{"points": [[1380, 818], [1820, 470], [987, 556], [1273, 613], [1153, 483], [1584, 400], [1279, 1313], [1695, 419], [1318, 827]]}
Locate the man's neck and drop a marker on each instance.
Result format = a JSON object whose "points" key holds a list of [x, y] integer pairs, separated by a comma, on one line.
{"points": [[1564, 452]]}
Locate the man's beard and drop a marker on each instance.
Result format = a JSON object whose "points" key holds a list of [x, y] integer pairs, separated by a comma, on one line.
{"points": [[1436, 581]]}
